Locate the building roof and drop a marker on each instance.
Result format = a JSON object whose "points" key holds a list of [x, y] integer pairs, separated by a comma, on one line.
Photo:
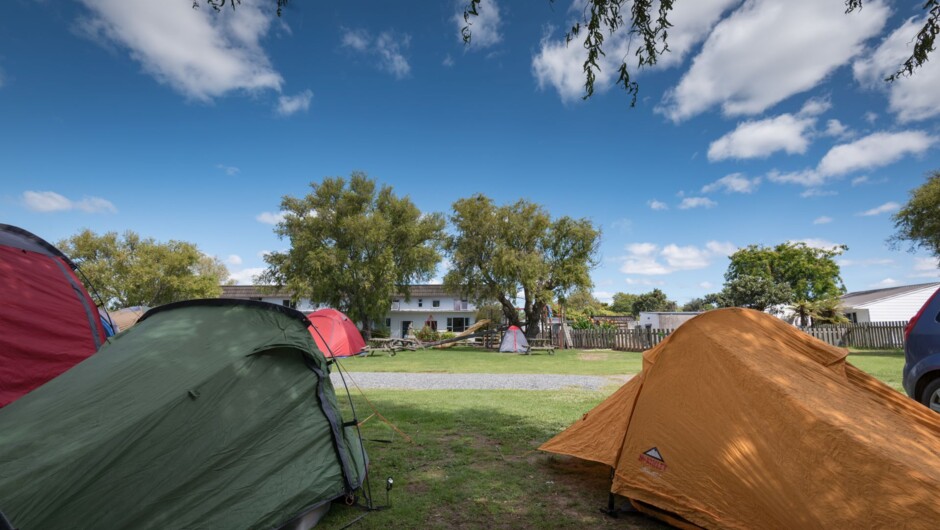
{"points": [[860, 298], [427, 291]]}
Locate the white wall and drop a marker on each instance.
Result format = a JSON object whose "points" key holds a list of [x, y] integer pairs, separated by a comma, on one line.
{"points": [[902, 307], [419, 318], [422, 304]]}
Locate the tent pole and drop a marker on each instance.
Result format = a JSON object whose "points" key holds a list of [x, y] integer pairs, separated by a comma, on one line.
{"points": [[611, 509]]}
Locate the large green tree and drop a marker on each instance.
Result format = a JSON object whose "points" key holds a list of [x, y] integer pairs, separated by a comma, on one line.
{"points": [[653, 301], [353, 246], [582, 303], [623, 303], [789, 273], [518, 251], [647, 21], [128, 270], [918, 221]]}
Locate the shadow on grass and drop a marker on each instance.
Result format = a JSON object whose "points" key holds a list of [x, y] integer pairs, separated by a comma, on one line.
{"points": [[475, 466]]}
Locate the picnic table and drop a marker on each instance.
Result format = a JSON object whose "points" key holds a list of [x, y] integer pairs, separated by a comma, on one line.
{"points": [[539, 345]]}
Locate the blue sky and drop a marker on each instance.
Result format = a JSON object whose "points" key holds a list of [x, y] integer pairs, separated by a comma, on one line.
{"points": [[768, 122]]}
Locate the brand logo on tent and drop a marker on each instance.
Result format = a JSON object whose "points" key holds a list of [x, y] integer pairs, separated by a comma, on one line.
{"points": [[654, 459]]}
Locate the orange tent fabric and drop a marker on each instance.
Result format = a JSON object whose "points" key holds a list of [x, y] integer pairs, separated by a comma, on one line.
{"points": [[739, 420], [338, 336]]}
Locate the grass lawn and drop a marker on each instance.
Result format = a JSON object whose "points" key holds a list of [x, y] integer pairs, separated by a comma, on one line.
{"points": [[473, 462], [461, 360], [886, 365]]}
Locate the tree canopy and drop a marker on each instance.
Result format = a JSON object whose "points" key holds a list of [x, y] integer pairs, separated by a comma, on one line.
{"points": [[623, 303], [918, 221], [653, 301], [353, 246], [790, 273], [128, 270], [517, 251]]}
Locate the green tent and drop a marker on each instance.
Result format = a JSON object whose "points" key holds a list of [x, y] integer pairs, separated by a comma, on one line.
{"points": [[206, 414]]}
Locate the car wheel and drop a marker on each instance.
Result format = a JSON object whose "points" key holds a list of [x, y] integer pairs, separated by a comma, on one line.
{"points": [[931, 395]]}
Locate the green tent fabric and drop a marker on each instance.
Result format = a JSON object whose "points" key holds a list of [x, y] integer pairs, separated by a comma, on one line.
{"points": [[206, 414]]}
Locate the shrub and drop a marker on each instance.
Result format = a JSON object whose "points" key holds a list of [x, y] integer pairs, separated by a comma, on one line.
{"points": [[426, 334]]}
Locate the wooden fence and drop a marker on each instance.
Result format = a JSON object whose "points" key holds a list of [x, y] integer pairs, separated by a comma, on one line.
{"points": [[875, 335]]}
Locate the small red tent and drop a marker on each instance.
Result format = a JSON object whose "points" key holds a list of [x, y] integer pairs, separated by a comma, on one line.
{"points": [[48, 323], [338, 336]]}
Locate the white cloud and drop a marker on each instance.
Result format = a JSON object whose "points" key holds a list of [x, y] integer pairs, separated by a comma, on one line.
{"points": [[287, 105], [875, 150], [386, 48], [696, 202], [484, 28], [604, 296], [872, 151], [706, 285], [649, 259], [824, 220], [926, 268], [658, 205], [50, 201], [871, 117], [887, 282], [767, 51], [229, 170], [233, 260], [643, 281], [270, 218], [560, 66], [837, 129], [246, 276], [200, 53], [718, 248], [859, 180], [448, 61], [761, 138], [887, 207], [357, 39], [817, 192], [733, 183], [910, 98]]}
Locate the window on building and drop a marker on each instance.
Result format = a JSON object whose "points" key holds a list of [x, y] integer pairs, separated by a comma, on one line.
{"points": [[420, 302], [388, 322], [288, 303], [435, 303], [458, 324]]}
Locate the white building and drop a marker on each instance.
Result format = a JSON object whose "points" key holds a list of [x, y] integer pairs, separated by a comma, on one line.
{"points": [[664, 319], [887, 305], [427, 305]]}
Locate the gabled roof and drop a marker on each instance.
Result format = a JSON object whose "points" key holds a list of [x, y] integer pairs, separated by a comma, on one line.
{"points": [[860, 298]]}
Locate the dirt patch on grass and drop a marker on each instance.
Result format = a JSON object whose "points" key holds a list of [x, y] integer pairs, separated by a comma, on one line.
{"points": [[593, 356]]}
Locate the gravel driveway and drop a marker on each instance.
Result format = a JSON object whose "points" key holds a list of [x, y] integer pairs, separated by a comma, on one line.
{"points": [[420, 381]]}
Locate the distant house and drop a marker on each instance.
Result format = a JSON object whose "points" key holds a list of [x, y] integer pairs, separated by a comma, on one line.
{"points": [[263, 294], [431, 305], [887, 305], [665, 319], [428, 304]]}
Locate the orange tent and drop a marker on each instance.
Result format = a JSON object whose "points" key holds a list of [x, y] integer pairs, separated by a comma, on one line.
{"points": [[739, 420], [334, 333]]}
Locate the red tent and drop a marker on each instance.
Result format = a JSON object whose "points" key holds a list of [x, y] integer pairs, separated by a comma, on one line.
{"points": [[340, 338], [48, 323]]}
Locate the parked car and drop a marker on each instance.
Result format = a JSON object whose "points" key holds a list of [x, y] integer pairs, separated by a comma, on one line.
{"points": [[922, 354]]}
